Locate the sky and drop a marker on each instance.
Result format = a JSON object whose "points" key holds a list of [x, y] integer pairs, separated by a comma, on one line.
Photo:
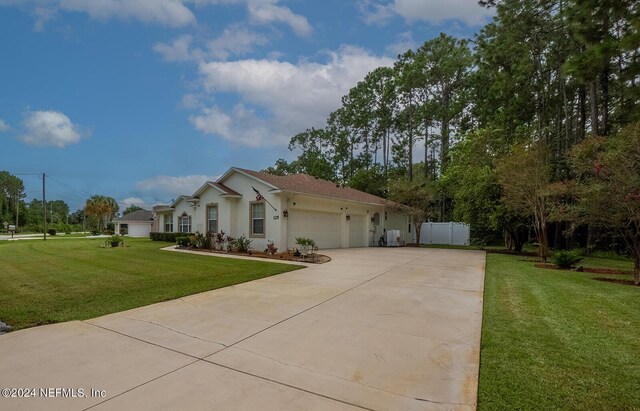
{"points": [[144, 100]]}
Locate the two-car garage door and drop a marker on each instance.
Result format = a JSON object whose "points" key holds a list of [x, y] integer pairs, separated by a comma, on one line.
{"points": [[323, 228]]}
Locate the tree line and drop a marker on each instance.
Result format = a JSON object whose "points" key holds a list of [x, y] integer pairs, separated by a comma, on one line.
{"points": [[96, 215], [508, 122]]}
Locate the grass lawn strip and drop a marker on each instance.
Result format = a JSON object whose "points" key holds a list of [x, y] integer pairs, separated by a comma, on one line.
{"points": [[558, 339], [53, 281]]}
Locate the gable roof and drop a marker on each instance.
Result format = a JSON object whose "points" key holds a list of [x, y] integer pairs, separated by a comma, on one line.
{"points": [[226, 191], [138, 215], [306, 184]]}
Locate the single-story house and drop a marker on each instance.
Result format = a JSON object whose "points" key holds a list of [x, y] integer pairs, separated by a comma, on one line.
{"points": [[137, 223], [266, 207]]}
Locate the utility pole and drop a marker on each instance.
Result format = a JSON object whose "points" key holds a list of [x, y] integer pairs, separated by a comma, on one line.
{"points": [[44, 206]]}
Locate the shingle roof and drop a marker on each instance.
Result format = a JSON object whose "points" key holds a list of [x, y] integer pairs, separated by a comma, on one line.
{"points": [[306, 184], [138, 215]]}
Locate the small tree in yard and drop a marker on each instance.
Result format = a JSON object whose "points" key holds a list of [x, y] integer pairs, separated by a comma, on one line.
{"points": [[524, 176], [415, 198], [608, 186]]}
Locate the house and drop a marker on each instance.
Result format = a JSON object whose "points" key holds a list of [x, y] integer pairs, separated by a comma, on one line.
{"points": [[137, 223], [266, 207]]}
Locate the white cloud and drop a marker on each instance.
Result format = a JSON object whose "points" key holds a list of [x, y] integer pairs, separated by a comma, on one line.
{"points": [[49, 128], [170, 13], [178, 50], [373, 13], [235, 40], [295, 96], [242, 126], [132, 201], [3, 126], [433, 11], [42, 15], [404, 41], [267, 11], [173, 186]]}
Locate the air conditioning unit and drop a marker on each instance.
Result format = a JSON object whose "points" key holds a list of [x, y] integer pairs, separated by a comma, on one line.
{"points": [[394, 238]]}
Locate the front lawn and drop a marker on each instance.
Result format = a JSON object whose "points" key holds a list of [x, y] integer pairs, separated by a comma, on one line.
{"points": [[74, 279], [558, 339]]}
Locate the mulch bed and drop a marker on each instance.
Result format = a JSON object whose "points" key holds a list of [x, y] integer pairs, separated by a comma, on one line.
{"points": [[314, 258], [605, 271], [616, 281], [511, 252], [601, 271]]}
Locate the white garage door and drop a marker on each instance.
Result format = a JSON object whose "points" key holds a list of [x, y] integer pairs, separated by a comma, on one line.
{"points": [[357, 237], [139, 229], [323, 228]]}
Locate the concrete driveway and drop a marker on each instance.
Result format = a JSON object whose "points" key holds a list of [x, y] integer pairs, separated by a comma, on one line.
{"points": [[375, 328]]}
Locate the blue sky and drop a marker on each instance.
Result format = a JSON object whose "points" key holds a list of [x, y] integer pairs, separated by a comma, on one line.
{"points": [[143, 100]]}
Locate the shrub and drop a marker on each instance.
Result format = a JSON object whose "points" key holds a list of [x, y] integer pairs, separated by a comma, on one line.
{"points": [[231, 243], [242, 244], [219, 240], [168, 237], [124, 231], [305, 242], [51, 231], [202, 241], [183, 241], [566, 259], [271, 248]]}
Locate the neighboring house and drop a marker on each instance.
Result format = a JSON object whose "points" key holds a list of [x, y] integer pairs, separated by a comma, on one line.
{"points": [[283, 208], [137, 223]]}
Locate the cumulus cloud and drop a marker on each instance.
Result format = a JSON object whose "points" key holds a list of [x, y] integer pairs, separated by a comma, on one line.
{"points": [[50, 128], [242, 126], [404, 41], [3, 126], [170, 13], [293, 96], [268, 11], [234, 40], [132, 201], [173, 186], [178, 50], [433, 11]]}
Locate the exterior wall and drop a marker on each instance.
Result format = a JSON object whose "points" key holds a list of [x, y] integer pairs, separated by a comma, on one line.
{"points": [[240, 212], [342, 207], [398, 221], [184, 207]]}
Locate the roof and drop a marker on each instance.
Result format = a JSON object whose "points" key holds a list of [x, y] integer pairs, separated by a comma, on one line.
{"points": [[138, 215], [226, 191], [306, 184]]}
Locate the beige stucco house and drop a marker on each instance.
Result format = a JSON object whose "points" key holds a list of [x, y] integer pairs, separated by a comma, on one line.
{"points": [[266, 207]]}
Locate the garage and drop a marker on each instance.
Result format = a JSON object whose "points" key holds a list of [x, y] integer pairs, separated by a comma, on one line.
{"points": [[135, 224], [322, 227], [357, 234]]}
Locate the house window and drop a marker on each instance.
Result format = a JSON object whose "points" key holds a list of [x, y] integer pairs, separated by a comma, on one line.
{"points": [[257, 219], [168, 223], [185, 224], [212, 219]]}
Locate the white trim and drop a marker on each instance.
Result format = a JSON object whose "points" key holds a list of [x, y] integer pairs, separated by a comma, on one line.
{"points": [[237, 170]]}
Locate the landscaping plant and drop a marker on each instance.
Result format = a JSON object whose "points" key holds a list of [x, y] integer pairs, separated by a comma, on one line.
{"points": [[566, 259]]}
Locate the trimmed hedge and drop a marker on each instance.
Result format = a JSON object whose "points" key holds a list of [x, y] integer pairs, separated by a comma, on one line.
{"points": [[168, 237]]}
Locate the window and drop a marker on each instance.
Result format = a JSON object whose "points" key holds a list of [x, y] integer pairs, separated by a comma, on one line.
{"points": [[212, 218], [257, 219], [168, 223], [185, 224]]}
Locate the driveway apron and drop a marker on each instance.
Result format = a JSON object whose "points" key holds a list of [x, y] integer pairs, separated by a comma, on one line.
{"points": [[375, 328]]}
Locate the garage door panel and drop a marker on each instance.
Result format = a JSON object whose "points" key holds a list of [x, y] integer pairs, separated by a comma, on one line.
{"points": [[357, 237], [322, 227], [139, 230]]}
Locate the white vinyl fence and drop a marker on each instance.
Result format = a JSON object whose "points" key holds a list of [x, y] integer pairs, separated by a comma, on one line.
{"points": [[445, 233]]}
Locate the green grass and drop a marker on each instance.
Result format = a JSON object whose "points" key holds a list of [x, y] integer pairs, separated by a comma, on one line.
{"points": [[74, 279], [558, 340]]}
